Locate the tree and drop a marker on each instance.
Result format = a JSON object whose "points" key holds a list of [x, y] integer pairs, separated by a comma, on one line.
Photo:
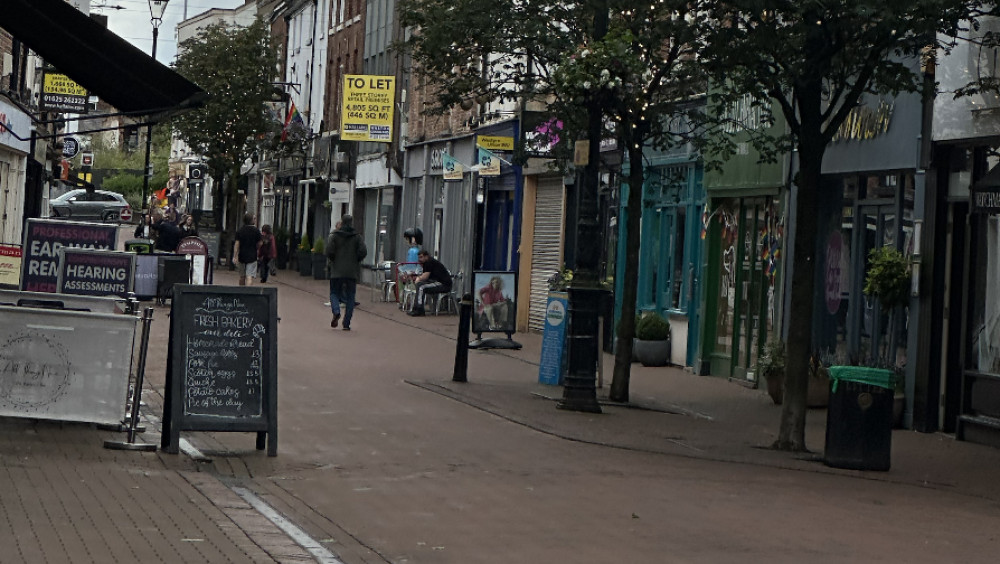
{"points": [[121, 169], [235, 66], [632, 66], [817, 59]]}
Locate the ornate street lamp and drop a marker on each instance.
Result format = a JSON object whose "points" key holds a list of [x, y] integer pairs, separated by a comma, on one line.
{"points": [[156, 9]]}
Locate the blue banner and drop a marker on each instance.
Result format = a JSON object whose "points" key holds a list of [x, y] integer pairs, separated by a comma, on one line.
{"points": [[553, 340]]}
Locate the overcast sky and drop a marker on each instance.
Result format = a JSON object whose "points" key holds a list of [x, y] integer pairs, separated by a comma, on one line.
{"points": [[132, 21]]}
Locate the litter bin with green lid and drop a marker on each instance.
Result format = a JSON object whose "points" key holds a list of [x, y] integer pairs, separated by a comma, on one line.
{"points": [[859, 418]]}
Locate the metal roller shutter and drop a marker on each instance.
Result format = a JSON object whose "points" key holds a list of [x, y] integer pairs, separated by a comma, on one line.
{"points": [[546, 251]]}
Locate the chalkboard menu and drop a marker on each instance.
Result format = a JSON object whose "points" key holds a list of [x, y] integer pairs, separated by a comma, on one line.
{"points": [[44, 237], [222, 367], [95, 273]]}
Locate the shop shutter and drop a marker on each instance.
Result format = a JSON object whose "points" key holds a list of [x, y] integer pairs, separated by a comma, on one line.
{"points": [[546, 251]]}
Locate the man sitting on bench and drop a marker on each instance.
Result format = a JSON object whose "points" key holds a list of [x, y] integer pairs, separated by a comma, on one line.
{"points": [[434, 280]]}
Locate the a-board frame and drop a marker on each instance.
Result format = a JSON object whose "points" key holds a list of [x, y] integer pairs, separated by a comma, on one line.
{"points": [[90, 272], [44, 237], [222, 363]]}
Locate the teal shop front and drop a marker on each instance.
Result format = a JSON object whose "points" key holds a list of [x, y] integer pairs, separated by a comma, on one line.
{"points": [[670, 255]]}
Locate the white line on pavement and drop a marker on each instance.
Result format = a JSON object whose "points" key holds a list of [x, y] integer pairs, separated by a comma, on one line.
{"points": [[322, 555]]}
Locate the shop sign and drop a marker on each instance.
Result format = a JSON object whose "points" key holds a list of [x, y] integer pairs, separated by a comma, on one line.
{"points": [[986, 200]]}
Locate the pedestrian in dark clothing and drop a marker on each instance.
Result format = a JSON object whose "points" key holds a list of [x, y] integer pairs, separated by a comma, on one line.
{"points": [[345, 250], [247, 244], [435, 279], [268, 250], [168, 235]]}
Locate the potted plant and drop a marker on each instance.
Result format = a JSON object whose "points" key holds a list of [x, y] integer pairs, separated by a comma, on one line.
{"points": [[319, 259], [305, 256], [652, 345], [281, 242], [771, 366], [888, 277]]}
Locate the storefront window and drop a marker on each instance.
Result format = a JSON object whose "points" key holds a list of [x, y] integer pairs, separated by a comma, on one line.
{"points": [[983, 353]]}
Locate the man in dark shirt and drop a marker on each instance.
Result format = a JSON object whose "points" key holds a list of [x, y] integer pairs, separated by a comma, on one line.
{"points": [[435, 279], [168, 235], [248, 241]]}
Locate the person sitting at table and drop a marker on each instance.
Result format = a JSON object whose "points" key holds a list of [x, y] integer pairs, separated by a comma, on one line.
{"points": [[435, 279]]}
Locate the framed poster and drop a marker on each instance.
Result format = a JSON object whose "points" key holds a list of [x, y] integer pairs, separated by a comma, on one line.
{"points": [[495, 305]]}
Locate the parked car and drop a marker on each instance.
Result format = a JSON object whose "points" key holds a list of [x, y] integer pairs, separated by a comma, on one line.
{"points": [[99, 205]]}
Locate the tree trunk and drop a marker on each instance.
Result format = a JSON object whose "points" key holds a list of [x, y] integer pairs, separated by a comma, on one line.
{"points": [[630, 278], [799, 343]]}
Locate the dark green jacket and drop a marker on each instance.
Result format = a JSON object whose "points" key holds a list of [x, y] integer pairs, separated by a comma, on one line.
{"points": [[345, 250]]}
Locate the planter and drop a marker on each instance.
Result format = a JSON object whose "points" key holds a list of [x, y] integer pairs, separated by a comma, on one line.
{"points": [[305, 263], [319, 266], [652, 353]]}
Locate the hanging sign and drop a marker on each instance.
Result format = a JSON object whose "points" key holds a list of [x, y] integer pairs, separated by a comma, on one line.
{"points": [[367, 108], [489, 164], [61, 94], [452, 168]]}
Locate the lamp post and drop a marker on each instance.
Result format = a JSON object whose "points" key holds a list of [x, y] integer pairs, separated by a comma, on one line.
{"points": [[156, 9]]}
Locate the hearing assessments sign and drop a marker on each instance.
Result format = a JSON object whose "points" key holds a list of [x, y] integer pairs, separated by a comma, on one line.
{"points": [[367, 108]]}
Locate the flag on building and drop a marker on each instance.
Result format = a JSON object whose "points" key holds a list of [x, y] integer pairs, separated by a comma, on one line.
{"points": [[489, 163], [452, 168], [292, 122]]}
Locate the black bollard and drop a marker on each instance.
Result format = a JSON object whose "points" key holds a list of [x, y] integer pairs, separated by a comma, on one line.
{"points": [[462, 347]]}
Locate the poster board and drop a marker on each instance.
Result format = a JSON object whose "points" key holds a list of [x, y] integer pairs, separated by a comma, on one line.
{"points": [[550, 367], [495, 304], [222, 363], [44, 237], [10, 266], [88, 272], [65, 365]]}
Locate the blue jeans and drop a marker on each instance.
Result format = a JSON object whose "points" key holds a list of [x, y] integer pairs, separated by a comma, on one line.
{"points": [[343, 290]]}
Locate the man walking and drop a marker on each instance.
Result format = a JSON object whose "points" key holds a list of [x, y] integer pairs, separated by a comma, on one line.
{"points": [[345, 249], [435, 279], [248, 241]]}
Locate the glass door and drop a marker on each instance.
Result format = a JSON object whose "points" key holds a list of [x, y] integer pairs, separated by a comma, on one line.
{"points": [[877, 226]]}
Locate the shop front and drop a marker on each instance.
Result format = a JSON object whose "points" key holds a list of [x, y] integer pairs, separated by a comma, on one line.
{"points": [[871, 198], [960, 390], [743, 227], [670, 256]]}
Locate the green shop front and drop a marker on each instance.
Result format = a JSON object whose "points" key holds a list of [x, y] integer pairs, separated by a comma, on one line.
{"points": [[743, 231]]}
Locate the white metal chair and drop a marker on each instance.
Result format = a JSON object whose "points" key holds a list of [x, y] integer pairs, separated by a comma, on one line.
{"points": [[449, 299]]}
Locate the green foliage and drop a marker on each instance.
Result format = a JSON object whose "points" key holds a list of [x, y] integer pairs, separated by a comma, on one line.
{"points": [[128, 185], [559, 281], [281, 235], [235, 66], [771, 359], [888, 277], [652, 327], [319, 246], [304, 243]]}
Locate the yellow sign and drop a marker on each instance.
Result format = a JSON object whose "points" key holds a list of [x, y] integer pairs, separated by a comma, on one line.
{"points": [[56, 83], [367, 108], [581, 153], [495, 143]]}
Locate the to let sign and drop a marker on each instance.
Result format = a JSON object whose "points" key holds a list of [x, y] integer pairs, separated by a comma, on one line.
{"points": [[367, 108], [61, 94]]}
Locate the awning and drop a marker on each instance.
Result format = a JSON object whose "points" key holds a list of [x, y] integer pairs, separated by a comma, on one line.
{"points": [[97, 59]]}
